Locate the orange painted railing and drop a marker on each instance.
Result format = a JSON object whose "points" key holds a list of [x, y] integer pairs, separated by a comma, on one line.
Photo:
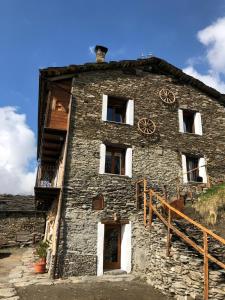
{"points": [[167, 220]]}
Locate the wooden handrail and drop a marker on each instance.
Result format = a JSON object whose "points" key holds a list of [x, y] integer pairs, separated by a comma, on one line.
{"points": [[172, 229], [182, 215]]}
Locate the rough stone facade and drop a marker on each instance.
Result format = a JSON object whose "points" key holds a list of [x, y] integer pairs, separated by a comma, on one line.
{"points": [[179, 274], [157, 157], [19, 221]]}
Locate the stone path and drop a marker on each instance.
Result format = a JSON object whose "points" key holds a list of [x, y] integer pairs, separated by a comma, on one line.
{"points": [[21, 274], [9, 260], [19, 282], [17, 271]]}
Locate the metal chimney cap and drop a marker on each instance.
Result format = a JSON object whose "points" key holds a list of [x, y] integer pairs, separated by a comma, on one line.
{"points": [[101, 48]]}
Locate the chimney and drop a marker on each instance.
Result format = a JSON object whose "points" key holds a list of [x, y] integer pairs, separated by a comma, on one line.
{"points": [[100, 53]]}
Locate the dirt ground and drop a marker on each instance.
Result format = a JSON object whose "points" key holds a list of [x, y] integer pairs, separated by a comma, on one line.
{"points": [[132, 290], [9, 259]]}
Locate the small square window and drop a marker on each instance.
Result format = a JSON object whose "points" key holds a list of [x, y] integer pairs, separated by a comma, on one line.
{"points": [[115, 161], [188, 121], [192, 168], [116, 110]]}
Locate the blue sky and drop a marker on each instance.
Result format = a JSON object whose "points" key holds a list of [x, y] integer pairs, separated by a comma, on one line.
{"points": [[36, 34]]}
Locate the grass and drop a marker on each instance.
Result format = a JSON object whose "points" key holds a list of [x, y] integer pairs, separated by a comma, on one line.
{"points": [[211, 204]]}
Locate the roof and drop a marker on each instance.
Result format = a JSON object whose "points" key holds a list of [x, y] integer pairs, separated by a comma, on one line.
{"points": [[15, 203], [152, 65], [157, 65]]}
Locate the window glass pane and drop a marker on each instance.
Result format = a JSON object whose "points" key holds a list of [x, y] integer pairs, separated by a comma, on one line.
{"points": [[116, 110], [118, 118], [188, 121], [110, 114], [108, 162], [117, 166], [192, 163]]}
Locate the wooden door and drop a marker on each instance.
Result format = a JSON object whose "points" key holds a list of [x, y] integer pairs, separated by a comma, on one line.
{"points": [[112, 246]]}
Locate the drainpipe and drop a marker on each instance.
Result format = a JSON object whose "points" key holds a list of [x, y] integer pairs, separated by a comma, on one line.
{"points": [[54, 258]]}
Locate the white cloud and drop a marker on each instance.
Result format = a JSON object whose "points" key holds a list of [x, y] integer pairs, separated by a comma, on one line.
{"points": [[211, 79], [213, 38], [17, 149]]}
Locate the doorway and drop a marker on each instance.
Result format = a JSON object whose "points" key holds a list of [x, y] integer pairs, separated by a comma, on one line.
{"points": [[112, 247]]}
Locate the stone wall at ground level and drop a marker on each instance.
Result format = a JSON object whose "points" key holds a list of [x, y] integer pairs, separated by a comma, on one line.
{"points": [[18, 228], [179, 274]]}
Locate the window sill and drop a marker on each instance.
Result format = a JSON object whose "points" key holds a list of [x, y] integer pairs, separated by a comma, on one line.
{"points": [[195, 183], [116, 175], [191, 134], [116, 123]]}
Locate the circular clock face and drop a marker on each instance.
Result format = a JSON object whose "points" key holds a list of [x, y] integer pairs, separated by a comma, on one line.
{"points": [[167, 96], [146, 126]]}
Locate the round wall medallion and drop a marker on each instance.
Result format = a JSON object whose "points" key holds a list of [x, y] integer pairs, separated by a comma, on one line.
{"points": [[167, 96], [146, 126]]}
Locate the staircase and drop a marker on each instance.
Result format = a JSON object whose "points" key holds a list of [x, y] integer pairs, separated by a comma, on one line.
{"points": [[179, 226]]}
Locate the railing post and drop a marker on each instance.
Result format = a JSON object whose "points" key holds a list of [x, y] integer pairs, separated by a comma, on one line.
{"points": [[206, 267], [137, 195], [145, 202], [150, 208], [168, 243]]}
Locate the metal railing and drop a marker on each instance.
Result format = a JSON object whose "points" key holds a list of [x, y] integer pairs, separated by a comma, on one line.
{"points": [[166, 219]]}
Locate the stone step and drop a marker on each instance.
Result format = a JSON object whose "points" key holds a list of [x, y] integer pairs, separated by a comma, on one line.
{"points": [[115, 272], [123, 277]]}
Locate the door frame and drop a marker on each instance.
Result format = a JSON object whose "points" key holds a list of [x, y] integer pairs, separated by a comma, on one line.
{"points": [[113, 265], [126, 250]]}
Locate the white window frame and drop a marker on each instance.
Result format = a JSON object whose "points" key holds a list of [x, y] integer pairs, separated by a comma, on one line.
{"points": [[201, 165], [128, 161], [129, 118], [197, 122]]}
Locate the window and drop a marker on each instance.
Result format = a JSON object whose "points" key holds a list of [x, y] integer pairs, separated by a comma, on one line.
{"points": [[194, 169], [118, 110], [115, 160], [190, 121]]}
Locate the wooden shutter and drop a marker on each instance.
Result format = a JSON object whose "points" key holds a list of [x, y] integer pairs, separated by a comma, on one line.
{"points": [[198, 123], [128, 162], [130, 112], [202, 169], [181, 120], [102, 159], [184, 168], [104, 107]]}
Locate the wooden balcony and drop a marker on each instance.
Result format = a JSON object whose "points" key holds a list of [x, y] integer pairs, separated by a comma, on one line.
{"points": [[47, 187], [57, 120], [55, 126], [52, 145]]}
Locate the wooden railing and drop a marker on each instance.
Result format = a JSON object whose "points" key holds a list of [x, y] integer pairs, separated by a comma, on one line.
{"points": [[166, 218], [47, 176]]}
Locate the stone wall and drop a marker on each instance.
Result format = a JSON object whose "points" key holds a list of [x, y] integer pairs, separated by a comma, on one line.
{"points": [[179, 274], [19, 221], [157, 157]]}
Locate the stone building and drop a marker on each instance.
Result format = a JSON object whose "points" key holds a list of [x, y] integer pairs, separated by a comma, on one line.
{"points": [[20, 223], [103, 126]]}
